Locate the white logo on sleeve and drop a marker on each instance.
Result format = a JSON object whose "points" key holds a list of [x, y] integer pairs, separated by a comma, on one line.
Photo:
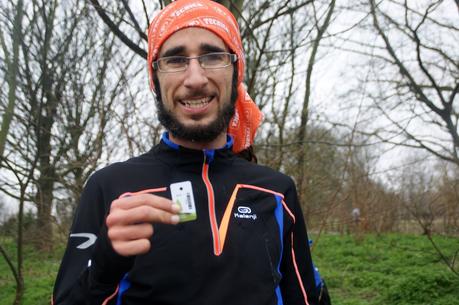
{"points": [[245, 212], [91, 239]]}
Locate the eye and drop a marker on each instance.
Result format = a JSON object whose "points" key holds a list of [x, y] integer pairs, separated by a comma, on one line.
{"points": [[175, 60], [214, 58]]}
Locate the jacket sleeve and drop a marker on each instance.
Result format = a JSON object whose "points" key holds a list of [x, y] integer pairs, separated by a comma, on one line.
{"points": [[297, 284], [90, 270]]}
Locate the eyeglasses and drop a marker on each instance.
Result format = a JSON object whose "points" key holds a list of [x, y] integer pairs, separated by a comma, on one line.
{"points": [[215, 60]]}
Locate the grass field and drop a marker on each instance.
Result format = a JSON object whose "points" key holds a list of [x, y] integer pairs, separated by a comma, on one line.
{"points": [[39, 272], [392, 269]]}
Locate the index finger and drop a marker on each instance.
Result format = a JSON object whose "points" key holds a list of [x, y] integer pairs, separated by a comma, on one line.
{"points": [[154, 201]]}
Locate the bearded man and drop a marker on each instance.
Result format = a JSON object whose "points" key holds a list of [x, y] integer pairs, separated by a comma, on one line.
{"points": [[191, 222]]}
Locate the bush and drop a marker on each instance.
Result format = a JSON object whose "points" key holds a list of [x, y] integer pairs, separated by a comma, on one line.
{"points": [[10, 226], [424, 287]]}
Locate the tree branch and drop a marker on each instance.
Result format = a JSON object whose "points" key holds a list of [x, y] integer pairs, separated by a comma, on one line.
{"points": [[136, 24], [10, 264], [133, 46]]}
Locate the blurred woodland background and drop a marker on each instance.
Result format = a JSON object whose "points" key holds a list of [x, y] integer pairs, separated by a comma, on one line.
{"points": [[360, 100]]}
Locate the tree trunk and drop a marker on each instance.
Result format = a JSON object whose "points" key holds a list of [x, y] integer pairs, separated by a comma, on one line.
{"points": [[19, 245], [12, 67], [43, 238], [45, 184]]}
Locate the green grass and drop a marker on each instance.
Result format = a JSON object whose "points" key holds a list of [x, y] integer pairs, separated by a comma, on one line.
{"points": [[39, 273], [392, 269]]}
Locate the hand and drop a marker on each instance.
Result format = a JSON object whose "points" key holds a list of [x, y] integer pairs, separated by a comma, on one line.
{"points": [[130, 221]]}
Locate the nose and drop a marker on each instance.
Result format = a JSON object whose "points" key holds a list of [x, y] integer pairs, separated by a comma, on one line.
{"points": [[195, 77]]}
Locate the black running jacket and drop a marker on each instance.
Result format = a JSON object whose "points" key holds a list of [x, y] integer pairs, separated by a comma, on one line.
{"points": [[248, 245]]}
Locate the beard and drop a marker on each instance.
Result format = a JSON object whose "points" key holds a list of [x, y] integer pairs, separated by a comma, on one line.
{"points": [[199, 133]]}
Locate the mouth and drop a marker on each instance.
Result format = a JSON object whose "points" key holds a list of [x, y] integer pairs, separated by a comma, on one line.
{"points": [[196, 103]]}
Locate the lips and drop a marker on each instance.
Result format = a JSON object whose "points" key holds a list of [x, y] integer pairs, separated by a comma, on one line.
{"points": [[196, 103]]}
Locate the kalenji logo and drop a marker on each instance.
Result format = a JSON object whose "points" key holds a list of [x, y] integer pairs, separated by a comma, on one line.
{"points": [[244, 210], [245, 213]]}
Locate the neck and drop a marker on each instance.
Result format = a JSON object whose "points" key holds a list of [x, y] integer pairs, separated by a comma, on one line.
{"points": [[218, 142]]}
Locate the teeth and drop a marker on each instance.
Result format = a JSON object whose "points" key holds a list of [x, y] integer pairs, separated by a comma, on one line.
{"points": [[197, 103]]}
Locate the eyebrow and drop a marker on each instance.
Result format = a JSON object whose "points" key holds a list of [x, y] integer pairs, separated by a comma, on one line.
{"points": [[174, 51], [211, 48], [204, 47]]}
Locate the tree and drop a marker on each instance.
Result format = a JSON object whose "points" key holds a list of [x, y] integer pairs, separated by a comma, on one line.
{"points": [[70, 77], [24, 177], [448, 191], [423, 198], [410, 77], [303, 150]]}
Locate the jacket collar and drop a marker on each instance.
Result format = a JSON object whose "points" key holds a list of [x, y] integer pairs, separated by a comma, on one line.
{"points": [[175, 154], [168, 142]]}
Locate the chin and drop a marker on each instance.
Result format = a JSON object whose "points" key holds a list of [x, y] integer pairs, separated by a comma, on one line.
{"points": [[198, 124], [202, 129]]}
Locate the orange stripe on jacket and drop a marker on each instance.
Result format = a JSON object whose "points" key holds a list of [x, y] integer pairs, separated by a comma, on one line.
{"points": [[147, 191], [111, 296]]}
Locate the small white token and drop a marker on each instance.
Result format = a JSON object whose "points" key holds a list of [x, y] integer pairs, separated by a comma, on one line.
{"points": [[182, 194]]}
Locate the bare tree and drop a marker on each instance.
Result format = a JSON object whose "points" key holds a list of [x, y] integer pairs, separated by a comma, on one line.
{"points": [[71, 77], [422, 198], [410, 69], [23, 179], [19, 189], [448, 190], [320, 31], [70, 85]]}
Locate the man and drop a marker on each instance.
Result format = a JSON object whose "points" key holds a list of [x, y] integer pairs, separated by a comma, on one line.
{"points": [[189, 222]]}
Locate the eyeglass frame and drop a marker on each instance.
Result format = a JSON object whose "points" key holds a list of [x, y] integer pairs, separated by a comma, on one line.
{"points": [[233, 58]]}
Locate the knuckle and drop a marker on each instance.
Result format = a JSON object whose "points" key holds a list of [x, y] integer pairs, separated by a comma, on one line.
{"points": [[112, 233], [145, 210], [110, 220], [117, 247], [114, 214], [144, 246], [165, 217], [148, 230], [115, 204]]}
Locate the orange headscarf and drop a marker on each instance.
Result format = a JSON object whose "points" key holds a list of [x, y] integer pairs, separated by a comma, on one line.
{"points": [[214, 17]]}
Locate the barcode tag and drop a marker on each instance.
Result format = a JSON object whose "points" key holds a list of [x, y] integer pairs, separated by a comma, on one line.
{"points": [[182, 194]]}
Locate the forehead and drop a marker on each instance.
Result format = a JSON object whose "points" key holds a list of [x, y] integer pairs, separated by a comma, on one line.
{"points": [[192, 39]]}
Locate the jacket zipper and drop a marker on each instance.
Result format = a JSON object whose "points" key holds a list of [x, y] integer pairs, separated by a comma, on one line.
{"points": [[211, 203]]}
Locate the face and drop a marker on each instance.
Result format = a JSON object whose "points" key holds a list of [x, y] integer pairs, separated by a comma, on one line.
{"points": [[195, 104]]}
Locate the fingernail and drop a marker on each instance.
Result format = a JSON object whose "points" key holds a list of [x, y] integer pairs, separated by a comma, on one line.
{"points": [[176, 207], [175, 219]]}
